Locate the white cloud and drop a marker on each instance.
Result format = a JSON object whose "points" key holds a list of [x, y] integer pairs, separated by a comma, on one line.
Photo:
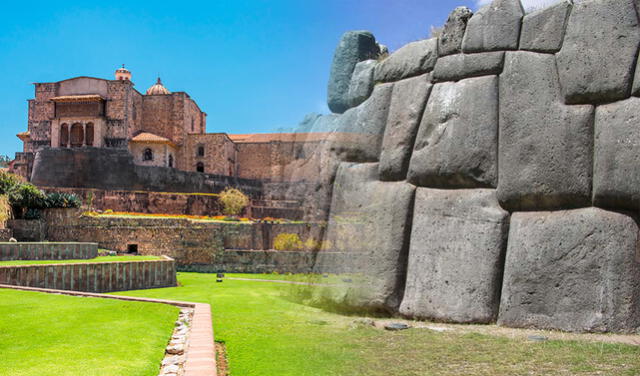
{"points": [[528, 5]]}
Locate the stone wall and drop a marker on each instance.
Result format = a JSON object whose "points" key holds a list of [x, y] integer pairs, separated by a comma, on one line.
{"points": [[47, 251], [28, 230], [93, 277], [147, 202], [185, 240], [505, 187], [112, 169]]}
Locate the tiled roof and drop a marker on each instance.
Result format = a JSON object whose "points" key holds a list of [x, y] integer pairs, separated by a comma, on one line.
{"points": [[280, 137], [23, 135], [151, 138], [78, 98]]}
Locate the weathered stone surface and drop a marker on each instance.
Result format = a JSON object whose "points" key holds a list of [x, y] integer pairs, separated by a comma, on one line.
{"points": [[456, 145], [450, 41], [596, 62], [455, 256], [359, 131], [574, 270], [459, 66], [494, 27], [616, 173], [354, 47], [546, 147], [412, 59], [543, 30], [361, 84], [407, 105], [370, 220]]}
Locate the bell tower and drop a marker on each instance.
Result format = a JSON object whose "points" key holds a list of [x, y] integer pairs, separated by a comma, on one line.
{"points": [[123, 74]]}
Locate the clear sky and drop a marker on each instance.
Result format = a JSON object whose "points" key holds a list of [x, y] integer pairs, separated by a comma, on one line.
{"points": [[252, 65]]}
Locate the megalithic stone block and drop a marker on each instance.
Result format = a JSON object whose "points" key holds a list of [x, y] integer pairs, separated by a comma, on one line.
{"points": [[412, 59], [370, 222], [546, 147], [456, 256], [616, 171], [596, 62], [456, 145], [543, 30], [576, 270], [450, 41], [354, 47], [494, 27], [407, 105]]}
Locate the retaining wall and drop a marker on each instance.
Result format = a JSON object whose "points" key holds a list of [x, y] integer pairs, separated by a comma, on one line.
{"points": [[47, 251], [93, 277]]}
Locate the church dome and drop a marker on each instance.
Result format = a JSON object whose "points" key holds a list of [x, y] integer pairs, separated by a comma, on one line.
{"points": [[158, 89]]}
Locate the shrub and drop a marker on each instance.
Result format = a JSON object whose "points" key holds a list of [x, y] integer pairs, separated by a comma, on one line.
{"points": [[26, 195], [32, 213], [233, 201], [9, 181], [311, 245], [5, 210], [61, 200], [287, 242]]}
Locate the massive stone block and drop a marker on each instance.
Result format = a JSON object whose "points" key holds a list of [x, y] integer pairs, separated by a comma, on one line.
{"points": [[546, 147], [597, 58], [494, 27], [616, 173], [576, 270], [359, 131], [361, 84], [371, 221], [456, 256], [450, 41], [354, 47], [457, 67], [456, 145], [407, 105], [410, 60], [543, 31]]}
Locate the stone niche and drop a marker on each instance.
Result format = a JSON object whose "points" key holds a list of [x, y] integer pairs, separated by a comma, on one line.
{"points": [[576, 270]]}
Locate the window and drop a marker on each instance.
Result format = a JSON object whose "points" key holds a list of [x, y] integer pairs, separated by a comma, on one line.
{"points": [[193, 125], [200, 151], [77, 135], [170, 160], [200, 167], [88, 134], [64, 135], [147, 155]]}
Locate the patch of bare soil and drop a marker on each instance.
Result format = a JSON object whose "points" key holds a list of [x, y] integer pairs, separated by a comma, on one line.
{"points": [[222, 363], [523, 334]]}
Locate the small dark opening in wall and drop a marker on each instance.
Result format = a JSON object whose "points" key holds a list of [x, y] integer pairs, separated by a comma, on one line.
{"points": [[132, 249]]}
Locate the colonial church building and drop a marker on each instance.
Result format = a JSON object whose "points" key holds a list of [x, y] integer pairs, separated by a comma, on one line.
{"points": [[159, 128]]}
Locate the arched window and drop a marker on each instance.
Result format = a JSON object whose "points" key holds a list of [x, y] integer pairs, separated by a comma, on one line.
{"points": [[200, 167], [77, 135], [200, 151], [147, 155], [64, 135], [170, 160], [88, 134]]}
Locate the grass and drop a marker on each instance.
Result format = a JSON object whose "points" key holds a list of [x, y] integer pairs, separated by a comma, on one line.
{"points": [[97, 259], [45, 334], [267, 334]]}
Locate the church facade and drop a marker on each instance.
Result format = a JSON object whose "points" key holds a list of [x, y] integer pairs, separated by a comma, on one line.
{"points": [[159, 128]]}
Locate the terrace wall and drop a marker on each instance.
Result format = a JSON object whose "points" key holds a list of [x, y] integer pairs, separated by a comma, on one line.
{"points": [[47, 251], [93, 277]]}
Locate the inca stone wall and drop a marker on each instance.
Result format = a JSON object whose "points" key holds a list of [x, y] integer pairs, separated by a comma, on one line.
{"points": [[494, 172]]}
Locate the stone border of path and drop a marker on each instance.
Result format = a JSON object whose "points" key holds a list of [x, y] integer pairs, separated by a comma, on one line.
{"points": [[200, 353]]}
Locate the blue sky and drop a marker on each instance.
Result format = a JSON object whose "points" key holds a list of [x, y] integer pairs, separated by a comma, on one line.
{"points": [[253, 65]]}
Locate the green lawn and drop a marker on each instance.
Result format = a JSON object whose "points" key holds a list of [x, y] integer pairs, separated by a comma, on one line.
{"points": [[268, 334], [46, 334], [97, 259]]}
